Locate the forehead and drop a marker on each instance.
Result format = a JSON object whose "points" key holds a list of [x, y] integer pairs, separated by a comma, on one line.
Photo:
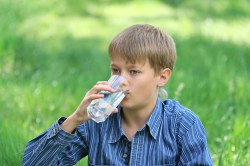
{"points": [[121, 63], [118, 61]]}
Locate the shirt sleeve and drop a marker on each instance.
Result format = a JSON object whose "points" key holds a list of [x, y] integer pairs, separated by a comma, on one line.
{"points": [[55, 147], [194, 148]]}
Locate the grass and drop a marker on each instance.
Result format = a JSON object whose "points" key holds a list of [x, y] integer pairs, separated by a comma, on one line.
{"points": [[51, 53]]}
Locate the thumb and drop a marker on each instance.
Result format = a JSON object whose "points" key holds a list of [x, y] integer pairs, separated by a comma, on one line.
{"points": [[115, 111]]}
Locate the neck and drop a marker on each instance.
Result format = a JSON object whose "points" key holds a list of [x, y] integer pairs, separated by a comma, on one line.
{"points": [[137, 118]]}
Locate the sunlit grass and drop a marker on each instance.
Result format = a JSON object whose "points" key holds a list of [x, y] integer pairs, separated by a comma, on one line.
{"points": [[181, 22], [51, 54]]}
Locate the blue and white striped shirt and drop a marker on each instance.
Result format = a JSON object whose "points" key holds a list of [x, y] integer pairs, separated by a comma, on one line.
{"points": [[173, 135]]}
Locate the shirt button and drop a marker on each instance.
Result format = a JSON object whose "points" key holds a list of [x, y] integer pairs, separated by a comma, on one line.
{"points": [[54, 131], [124, 155]]}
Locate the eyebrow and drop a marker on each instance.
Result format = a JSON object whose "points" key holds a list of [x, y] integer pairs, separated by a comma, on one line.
{"points": [[129, 65], [111, 64]]}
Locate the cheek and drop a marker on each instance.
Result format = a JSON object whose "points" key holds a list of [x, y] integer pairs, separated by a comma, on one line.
{"points": [[143, 88]]}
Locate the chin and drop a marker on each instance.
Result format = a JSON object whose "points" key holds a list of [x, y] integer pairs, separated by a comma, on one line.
{"points": [[124, 103]]}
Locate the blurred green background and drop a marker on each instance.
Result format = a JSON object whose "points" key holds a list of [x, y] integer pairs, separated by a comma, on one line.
{"points": [[52, 52]]}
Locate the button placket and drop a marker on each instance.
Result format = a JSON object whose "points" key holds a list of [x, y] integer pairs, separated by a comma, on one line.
{"points": [[125, 155], [127, 149], [137, 148]]}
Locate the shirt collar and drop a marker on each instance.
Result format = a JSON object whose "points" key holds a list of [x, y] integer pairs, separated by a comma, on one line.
{"points": [[116, 132], [155, 119], [153, 123]]}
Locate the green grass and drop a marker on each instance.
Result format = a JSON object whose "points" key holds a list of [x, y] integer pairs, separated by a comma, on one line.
{"points": [[51, 53]]}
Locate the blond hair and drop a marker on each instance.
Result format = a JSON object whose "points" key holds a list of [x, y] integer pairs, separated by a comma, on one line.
{"points": [[142, 42]]}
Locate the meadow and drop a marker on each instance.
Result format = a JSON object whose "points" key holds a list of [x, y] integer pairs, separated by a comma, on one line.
{"points": [[52, 52]]}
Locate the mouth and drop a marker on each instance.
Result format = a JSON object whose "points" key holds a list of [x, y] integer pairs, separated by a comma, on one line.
{"points": [[126, 92]]}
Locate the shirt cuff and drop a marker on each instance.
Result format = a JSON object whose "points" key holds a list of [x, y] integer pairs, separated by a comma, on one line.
{"points": [[57, 133]]}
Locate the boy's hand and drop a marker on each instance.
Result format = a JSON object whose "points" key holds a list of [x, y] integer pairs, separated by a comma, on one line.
{"points": [[81, 115]]}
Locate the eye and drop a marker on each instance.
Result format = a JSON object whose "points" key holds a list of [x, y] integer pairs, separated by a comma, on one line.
{"points": [[115, 71], [134, 72]]}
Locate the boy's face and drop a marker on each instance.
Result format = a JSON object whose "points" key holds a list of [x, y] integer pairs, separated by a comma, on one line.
{"points": [[140, 80]]}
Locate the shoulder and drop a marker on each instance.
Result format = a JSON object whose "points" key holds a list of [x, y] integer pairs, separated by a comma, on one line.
{"points": [[173, 107], [181, 117]]}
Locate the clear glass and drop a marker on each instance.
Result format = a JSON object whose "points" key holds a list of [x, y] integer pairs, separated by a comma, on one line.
{"points": [[100, 109]]}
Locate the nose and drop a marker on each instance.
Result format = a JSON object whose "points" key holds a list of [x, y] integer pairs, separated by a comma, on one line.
{"points": [[125, 82]]}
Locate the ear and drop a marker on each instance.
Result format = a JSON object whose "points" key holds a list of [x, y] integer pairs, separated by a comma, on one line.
{"points": [[164, 77]]}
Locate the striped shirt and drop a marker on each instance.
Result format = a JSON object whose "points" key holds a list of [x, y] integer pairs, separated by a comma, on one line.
{"points": [[173, 135]]}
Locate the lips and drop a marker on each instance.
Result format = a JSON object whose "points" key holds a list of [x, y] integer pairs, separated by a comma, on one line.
{"points": [[126, 92]]}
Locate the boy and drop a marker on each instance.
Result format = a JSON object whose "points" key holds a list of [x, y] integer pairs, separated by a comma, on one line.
{"points": [[144, 130]]}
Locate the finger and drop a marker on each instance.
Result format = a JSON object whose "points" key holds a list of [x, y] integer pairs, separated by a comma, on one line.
{"points": [[115, 111], [92, 97], [87, 100], [101, 87], [102, 83]]}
